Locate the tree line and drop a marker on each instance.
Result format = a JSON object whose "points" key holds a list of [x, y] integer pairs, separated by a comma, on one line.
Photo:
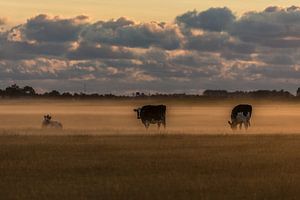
{"points": [[15, 91]]}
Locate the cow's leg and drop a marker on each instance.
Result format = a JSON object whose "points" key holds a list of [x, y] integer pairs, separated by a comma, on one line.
{"points": [[158, 125], [164, 123], [241, 125], [146, 124], [246, 125]]}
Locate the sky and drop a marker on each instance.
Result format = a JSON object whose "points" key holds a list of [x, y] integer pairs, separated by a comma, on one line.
{"points": [[155, 10], [114, 46]]}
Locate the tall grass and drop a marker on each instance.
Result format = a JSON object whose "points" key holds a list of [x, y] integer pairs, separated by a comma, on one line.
{"points": [[150, 167]]}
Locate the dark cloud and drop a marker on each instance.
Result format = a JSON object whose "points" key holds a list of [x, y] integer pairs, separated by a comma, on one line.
{"points": [[273, 9], [274, 27], [277, 59], [125, 32], [113, 24], [43, 28], [213, 19], [213, 42], [16, 50], [203, 50], [274, 72], [217, 42], [91, 51]]}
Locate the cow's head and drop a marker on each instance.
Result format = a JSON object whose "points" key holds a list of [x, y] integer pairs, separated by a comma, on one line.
{"points": [[240, 118], [47, 118], [138, 112], [233, 124]]}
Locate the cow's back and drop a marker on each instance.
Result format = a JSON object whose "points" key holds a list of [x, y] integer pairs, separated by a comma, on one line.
{"points": [[242, 108], [153, 112]]}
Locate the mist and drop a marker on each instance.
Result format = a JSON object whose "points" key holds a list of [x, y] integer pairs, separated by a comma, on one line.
{"points": [[117, 117]]}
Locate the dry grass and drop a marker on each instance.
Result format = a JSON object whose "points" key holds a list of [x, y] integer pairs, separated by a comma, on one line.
{"points": [[104, 152], [150, 167]]}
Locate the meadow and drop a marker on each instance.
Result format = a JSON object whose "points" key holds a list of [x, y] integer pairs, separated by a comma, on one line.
{"points": [[104, 152], [150, 167]]}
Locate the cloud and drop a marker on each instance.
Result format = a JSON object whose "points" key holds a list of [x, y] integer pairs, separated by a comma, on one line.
{"points": [[274, 27], [273, 9], [211, 49], [44, 28], [93, 51], [3, 21], [16, 50], [218, 42], [124, 32], [277, 59], [213, 19]]}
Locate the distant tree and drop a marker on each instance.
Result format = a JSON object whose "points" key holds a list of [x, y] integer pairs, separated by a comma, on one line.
{"points": [[94, 95], [109, 95], [270, 94], [28, 91], [140, 94], [53, 93], [66, 94], [13, 91], [298, 92], [215, 93]]}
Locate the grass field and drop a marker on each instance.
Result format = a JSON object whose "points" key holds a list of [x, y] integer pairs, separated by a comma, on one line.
{"points": [[150, 167], [104, 152]]}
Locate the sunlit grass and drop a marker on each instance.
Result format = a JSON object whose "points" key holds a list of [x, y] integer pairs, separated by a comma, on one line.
{"points": [[150, 167], [104, 152]]}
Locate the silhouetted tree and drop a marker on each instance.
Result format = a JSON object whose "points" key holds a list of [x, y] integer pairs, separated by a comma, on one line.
{"points": [[13, 91], [28, 91], [215, 93], [94, 95], [66, 94], [53, 93]]}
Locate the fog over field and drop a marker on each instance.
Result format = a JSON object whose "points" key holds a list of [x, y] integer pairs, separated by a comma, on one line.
{"points": [[117, 117]]}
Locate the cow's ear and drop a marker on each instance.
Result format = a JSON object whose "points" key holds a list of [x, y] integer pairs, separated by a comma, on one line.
{"points": [[229, 123], [135, 110]]}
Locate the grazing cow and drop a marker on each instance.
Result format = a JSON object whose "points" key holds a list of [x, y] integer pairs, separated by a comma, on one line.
{"points": [[240, 114], [152, 114], [48, 123]]}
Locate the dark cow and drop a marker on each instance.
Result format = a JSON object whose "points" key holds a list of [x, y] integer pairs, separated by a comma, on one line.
{"points": [[240, 114], [152, 114]]}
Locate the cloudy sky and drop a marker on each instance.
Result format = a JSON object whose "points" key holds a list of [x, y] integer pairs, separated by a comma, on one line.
{"points": [[125, 46]]}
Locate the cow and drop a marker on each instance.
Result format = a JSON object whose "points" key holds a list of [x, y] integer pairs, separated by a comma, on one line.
{"points": [[240, 114], [48, 123], [152, 114]]}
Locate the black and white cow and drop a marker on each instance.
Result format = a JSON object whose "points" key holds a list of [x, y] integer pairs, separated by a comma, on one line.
{"points": [[152, 114], [48, 123], [240, 114]]}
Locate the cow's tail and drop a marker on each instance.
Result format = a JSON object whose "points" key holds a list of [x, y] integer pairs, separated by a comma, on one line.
{"points": [[164, 110]]}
